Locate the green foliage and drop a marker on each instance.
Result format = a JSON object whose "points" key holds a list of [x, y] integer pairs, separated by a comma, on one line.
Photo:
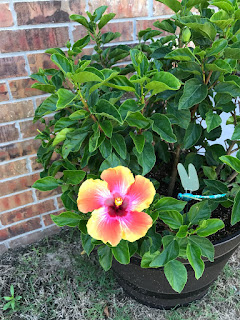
{"points": [[179, 86], [11, 301]]}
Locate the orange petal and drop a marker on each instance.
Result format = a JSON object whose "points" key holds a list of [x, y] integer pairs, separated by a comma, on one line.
{"points": [[102, 227], [119, 179], [92, 195], [135, 225], [141, 193]]}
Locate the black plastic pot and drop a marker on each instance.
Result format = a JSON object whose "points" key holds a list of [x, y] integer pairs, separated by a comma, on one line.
{"points": [[150, 286]]}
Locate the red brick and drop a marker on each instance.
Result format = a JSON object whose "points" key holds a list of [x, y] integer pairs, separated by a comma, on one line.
{"points": [[12, 169], [144, 24], [12, 67], [40, 60], [33, 39], [6, 19], [160, 9], [59, 201], [3, 248], [22, 227], [47, 12], [33, 237], [16, 200], [19, 149], [16, 111], [18, 184], [47, 194], [35, 165], [8, 133], [27, 212], [123, 8], [3, 234], [21, 88], [125, 28], [3, 92], [29, 129]]}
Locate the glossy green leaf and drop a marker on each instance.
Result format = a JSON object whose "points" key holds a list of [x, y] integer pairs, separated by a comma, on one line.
{"points": [[121, 252], [194, 257], [217, 47], [105, 19], [136, 119], [61, 136], [105, 257], [80, 19], [121, 83], [111, 162], [172, 218], [209, 226], [236, 133], [118, 143], [73, 142], [176, 274], [44, 87], [163, 81], [233, 162], [46, 184], [73, 176], [87, 244], [182, 54], [107, 128], [220, 66], [68, 218], [170, 252], [62, 62], [205, 245], [199, 211], [162, 126], [108, 110], [213, 120], [192, 135], [172, 4], [105, 148], [194, 92], [216, 187], [147, 258], [65, 97], [228, 87], [129, 106], [86, 76], [138, 140], [79, 115], [147, 158], [182, 232], [168, 203]]}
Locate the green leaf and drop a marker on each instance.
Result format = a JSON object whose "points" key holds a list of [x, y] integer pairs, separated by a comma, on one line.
{"points": [[194, 258], [170, 252], [192, 3], [217, 47], [138, 140], [182, 54], [136, 119], [121, 83], [118, 143], [232, 162], [80, 19], [199, 211], [176, 274], [107, 128], [209, 226], [73, 142], [121, 252], [162, 126], [79, 115], [168, 203], [209, 172], [166, 25], [236, 209], [147, 258], [213, 120], [12, 290], [105, 148], [68, 218], [81, 43], [129, 106], [87, 244], [105, 19], [63, 123], [223, 4], [219, 66], [105, 257], [73, 176], [194, 92], [147, 158], [44, 87], [172, 218], [192, 135], [182, 232], [108, 110], [216, 187], [200, 25], [172, 4], [62, 62], [65, 97], [162, 81], [110, 162], [206, 246], [46, 184], [61, 136], [93, 141], [87, 76], [46, 107], [236, 133], [228, 87], [99, 12], [221, 19]]}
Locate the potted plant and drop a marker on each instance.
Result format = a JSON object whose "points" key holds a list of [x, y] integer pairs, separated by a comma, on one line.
{"points": [[146, 118]]}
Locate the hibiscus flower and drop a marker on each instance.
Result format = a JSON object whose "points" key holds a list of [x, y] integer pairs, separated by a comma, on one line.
{"points": [[116, 203]]}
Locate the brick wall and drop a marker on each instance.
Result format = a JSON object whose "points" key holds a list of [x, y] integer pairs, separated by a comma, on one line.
{"points": [[27, 28]]}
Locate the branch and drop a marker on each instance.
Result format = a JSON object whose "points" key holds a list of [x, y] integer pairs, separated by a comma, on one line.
{"points": [[174, 172], [229, 151], [232, 176]]}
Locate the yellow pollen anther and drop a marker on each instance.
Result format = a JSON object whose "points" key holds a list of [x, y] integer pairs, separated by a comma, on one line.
{"points": [[118, 201]]}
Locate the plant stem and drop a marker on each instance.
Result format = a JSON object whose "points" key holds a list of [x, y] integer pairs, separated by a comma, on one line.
{"points": [[174, 172], [232, 176], [229, 151], [209, 76]]}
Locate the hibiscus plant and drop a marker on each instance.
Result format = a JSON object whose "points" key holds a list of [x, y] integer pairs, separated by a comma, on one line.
{"points": [[144, 109]]}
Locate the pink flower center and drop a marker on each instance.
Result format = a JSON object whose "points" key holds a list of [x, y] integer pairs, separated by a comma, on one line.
{"points": [[117, 207]]}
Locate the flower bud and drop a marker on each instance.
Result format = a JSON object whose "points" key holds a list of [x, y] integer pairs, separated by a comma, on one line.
{"points": [[186, 35]]}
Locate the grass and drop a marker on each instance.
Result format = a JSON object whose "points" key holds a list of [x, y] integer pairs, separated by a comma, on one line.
{"points": [[57, 282]]}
